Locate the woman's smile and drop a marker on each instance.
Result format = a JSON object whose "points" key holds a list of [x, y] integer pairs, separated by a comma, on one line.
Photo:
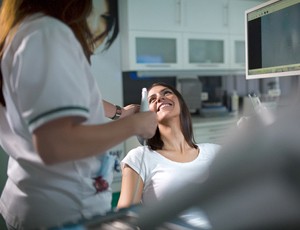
{"points": [[164, 105]]}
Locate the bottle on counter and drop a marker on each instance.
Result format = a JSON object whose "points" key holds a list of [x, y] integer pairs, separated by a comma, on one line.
{"points": [[234, 103]]}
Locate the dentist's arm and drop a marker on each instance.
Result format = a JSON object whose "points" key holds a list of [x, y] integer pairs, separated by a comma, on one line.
{"points": [[111, 109], [67, 139]]}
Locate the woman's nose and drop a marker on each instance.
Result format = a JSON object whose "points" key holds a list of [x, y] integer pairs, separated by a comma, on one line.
{"points": [[160, 97]]}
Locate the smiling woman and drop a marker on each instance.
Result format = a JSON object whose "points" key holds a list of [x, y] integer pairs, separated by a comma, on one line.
{"points": [[171, 158]]}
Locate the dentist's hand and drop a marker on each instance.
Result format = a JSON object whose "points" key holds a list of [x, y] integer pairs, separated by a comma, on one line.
{"points": [[146, 124], [130, 109]]}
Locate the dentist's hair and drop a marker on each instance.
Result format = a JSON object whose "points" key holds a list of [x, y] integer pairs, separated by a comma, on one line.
{"points": [[71, 12]]}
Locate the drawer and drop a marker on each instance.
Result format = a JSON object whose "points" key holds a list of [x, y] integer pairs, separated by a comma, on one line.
{"points": [[213, 133]]}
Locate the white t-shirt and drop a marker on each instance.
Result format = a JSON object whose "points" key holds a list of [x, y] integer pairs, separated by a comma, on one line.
{"points": [[162, 176], [46, 76]]}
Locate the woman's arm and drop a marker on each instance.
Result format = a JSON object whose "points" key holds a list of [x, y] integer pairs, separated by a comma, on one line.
{"points": [[66, 139], [130, 193]]}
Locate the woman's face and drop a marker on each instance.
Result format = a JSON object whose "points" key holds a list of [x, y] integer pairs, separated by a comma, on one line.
{"points": [[97, 20], [164, 102]]}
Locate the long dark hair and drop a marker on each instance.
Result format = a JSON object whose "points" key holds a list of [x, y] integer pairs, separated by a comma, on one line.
{"points": [[112, 23], [156, 143], [72, 12]]}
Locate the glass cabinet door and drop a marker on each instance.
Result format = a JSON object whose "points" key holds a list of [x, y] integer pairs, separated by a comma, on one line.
{"points": [[237, 50], [155, 50], [206, 51], [239, 54]]}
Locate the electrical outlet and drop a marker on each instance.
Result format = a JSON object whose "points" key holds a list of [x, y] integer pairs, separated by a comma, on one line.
{"points": [[204, 96]]}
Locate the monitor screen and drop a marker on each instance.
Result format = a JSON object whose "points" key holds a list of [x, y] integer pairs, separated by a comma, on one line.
{"points": [[273, 39]]}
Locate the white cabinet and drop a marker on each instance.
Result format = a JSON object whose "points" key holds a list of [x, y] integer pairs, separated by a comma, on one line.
{"points": [[213, 131], [205, 16], [237, 51], [205, 51], [177, 15], [152, 50], [182, 34], [157, 15], [236, 11]]}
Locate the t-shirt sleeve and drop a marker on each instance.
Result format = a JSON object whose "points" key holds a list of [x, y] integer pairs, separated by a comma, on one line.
{"points": [[133, 159], [210, 151], [49, 77], [215, 148]]}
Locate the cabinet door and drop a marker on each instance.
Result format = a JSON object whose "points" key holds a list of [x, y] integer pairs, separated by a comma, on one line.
{"points": [[207, 16], [154, 50], [206, 51], [237, 52], [159, 15], [213, 133]]}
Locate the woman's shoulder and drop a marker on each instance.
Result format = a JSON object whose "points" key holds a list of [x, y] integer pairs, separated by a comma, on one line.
{"points": [[135, 157], [44, 23], [209, 149], [209, 146], [137, 152], [43, 31]]}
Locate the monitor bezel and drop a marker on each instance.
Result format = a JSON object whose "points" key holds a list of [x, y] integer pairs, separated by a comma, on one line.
{"points": [[262, 75]]}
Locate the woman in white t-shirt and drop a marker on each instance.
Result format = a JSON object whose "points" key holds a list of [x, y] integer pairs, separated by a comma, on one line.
{"points": [[171, 158], [52, 119]]}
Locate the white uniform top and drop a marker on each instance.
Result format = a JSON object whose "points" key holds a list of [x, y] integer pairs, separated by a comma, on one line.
{"points": [[46, 76], [162, 176]]}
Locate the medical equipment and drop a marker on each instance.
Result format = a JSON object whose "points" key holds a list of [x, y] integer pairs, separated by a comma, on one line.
{"points": [[144, 107], [261, 112], [253, 182]]}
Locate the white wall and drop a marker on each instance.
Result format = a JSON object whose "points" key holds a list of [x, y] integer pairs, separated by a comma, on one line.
{"points": [[106, 67]]}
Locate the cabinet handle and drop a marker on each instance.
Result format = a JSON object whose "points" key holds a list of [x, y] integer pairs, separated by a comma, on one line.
{"points": [[158, 65], [207, 65], [225, 14], [178, 12]]}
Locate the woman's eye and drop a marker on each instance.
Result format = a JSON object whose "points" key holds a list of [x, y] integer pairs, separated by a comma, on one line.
{"points": [[108, 20], [151, 100], [105, 16], [167, 92]]}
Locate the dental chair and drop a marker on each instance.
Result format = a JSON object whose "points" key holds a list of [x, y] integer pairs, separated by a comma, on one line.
{"points": [[253, 183]]}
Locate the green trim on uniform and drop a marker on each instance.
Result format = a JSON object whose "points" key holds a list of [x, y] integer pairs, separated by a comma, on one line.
{"points": [[115, 199], [57, 110]]}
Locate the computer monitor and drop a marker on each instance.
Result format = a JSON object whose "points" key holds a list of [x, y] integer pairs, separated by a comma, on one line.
{"points": [[273, 39]]}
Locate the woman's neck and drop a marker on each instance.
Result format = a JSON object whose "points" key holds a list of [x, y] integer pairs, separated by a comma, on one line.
{"points": [[176, 148], [173, 138]]}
